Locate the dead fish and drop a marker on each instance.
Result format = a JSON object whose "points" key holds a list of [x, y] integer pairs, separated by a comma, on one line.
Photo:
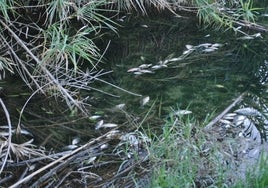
{"points": [[182, 112], [238, 120], [145, 100], [248, 112], [209, 50], [133, 69], [219, 86], [264, 15], [204, 45], [165, 62], [99, 124], [113, 134], [138, 73], [146, 71], [188, 46], [104, 146], [145, 66], [216, 45], [229, 116], [94, 117], [224, 121], [90, 160], [187, 51], [175, 59], [70, 147], [107, 125], [145, 26], [120, 106], [246, 38], [257, 35], [75, 140], [156, 67]]}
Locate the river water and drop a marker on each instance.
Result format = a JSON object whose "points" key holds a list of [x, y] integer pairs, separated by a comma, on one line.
{"points": [[168, 64], [197, 76]]}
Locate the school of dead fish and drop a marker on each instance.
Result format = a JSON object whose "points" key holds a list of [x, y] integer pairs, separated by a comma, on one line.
{"points": [[150, 68], [250, 120]]}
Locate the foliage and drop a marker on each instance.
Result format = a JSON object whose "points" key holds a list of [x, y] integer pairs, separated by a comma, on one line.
{"points": [[235, 13], [45, 46], [184, 154]]}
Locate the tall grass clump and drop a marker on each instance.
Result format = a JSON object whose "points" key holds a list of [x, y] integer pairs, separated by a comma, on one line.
{"points": [[231, 15], [187, 156], [175, 153]]}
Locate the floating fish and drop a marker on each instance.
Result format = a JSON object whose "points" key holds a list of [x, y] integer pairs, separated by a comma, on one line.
{"points": [[145, 100], [182, 112], [145, 26], [99, 124], [187, 51], [209, 50], [246, 38], [146, 71], [248, 112], [156, 67], [133, 69], [90, 160], [130, 138], [106, 125], [94, 117], [75, 140], [189, 47], [120, 106], [175, 59], [70, 147], [5, 132], [104, 146], [229, 116], [216, 45], [204, 45], [219, 86], [113, 133], [238, 120], [138, 73], [224, 121], [144, 66]]}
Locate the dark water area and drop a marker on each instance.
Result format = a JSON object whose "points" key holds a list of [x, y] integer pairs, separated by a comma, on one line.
{"points": [[158, 65], [202, 82]]}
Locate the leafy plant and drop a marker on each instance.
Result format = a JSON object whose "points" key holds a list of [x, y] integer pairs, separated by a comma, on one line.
{"points": [[248, 11]]}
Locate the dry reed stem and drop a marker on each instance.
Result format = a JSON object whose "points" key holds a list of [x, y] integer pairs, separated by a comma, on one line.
{"points": [[60, 160], [9, 134]]}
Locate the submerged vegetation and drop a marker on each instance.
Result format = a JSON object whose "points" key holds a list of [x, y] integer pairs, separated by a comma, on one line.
{"points": [[59, 48]]}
